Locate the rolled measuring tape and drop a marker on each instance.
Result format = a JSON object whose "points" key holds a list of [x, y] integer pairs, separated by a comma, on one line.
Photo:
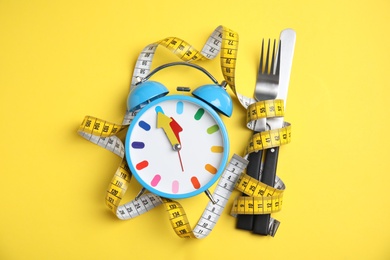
{"points": [[262, 198], [177, 216]]}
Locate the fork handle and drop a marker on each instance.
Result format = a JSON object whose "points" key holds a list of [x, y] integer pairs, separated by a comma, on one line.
{"points": [[253, 169], [261, 222]]}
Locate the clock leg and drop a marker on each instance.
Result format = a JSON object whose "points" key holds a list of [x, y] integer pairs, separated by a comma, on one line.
{"points": [[142, 191], [210, 196]]}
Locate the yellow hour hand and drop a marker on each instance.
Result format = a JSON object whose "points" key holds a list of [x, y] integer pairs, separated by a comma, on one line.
{"points": [[171, 129]]}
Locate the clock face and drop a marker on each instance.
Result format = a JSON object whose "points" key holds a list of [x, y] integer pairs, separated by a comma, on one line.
{"points": [[177, 146]]}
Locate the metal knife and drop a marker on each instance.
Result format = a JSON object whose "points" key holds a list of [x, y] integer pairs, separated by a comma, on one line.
{"points": [[264, 224]]}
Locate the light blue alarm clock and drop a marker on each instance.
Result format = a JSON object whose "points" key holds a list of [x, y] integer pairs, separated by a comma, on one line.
{"points": [[177, 145]]}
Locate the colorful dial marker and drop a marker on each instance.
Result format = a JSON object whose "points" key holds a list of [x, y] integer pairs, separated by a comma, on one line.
{"points": [[199, 113], [195, 182], [212, 129], [179, 108], [137, 145], [175, 186], [211, 169], [156, 179], [159, 109], [142, 165], [217, 149], [144, 125]]}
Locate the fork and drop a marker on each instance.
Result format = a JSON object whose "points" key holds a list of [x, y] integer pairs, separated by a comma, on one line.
{"points": [[267, 79], [266, 88]]}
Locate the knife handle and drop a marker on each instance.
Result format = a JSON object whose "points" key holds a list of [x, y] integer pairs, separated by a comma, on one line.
{"points": [[261, 222], [253, 169]]}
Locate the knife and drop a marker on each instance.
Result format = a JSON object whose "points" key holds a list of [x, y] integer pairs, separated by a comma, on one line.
{"points": [[264, 224]]}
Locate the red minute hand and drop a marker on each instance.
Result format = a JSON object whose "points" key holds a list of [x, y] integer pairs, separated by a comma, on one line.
{"points": [[176, 128]]}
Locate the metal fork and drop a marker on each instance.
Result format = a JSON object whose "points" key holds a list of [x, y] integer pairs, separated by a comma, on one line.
{"points": [[267, 79], [268, 74], [266, 88]]}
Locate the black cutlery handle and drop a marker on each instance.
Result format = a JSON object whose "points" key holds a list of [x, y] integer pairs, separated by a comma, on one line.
{"points": [[253, 169], [261, 222]]}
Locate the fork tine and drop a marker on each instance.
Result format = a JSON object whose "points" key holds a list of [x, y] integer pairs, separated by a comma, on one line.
{"points": [[261, 58], [277, 71], [271, 71], [267, 60], [268, 74], [269, 66]]}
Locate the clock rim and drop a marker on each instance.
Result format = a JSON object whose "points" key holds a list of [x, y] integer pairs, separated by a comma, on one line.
{"points": [[223, 131]]}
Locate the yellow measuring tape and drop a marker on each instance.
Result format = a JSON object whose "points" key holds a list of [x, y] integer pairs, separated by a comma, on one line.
{"points": [[262, 199], [264, 109]]}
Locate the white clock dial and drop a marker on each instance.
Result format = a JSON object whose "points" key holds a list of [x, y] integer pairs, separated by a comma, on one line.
{"points": [[177, 146]]}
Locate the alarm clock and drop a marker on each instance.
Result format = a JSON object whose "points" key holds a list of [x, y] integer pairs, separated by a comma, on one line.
{"points": [[177, 145]]}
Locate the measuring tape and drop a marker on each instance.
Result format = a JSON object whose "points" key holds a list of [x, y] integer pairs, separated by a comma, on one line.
{"points": [[177, 216], [261, 199], [103, 133], [264, 109], [99, 131]]}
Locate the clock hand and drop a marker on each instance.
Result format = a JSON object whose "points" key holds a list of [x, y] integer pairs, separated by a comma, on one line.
{"points": [[172, 133], [176, 128], [181, 163], [172, 130]]}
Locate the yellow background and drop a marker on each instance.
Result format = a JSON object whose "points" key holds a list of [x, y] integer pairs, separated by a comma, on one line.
{"points": [[62, 60]]}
